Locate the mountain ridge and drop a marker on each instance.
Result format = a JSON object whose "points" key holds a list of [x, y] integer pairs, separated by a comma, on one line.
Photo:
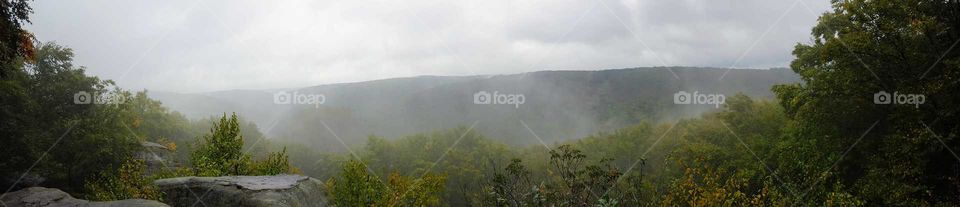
{"points": [[561, 104]]}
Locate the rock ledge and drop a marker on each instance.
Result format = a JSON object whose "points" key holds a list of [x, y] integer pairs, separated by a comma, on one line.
{"points": [[52, 197], [279, 190]]}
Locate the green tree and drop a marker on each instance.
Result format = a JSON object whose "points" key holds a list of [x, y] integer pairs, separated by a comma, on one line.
{"points": [[15, 42], [273, 164], [860, 48], [355, 186], [127, 182], [514, 187], [466, 159], [220, 153], [75, 140], [574, 180]]}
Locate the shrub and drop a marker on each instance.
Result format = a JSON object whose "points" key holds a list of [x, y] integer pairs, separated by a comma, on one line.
{"points": [[356, 187], [275, 163], [220, 154], [126, 183]]}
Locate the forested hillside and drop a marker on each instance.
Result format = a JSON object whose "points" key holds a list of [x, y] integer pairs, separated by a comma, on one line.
{"points": [[559, 105], [866, 115]]}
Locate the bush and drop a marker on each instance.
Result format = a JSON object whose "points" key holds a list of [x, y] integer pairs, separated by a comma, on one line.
{"points": [[574, 181], [275, 163], [126, 183], [220, 154], [356, 187]]}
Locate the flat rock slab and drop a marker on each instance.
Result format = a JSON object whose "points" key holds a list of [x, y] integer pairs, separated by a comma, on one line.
{"points": [[278, 182], [278, 190], [52, 197]]}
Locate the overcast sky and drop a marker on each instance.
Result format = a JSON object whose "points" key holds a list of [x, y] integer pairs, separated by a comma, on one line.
{"points": [[209, 45]]}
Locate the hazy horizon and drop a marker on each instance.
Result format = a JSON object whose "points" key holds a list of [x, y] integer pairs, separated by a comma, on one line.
{"points": [[205, 46], [268, 89], [565, 103]]}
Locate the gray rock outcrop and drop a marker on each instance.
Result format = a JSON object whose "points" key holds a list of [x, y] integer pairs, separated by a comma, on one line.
{"points": [[156, 156], [279, 190], [52, 197]]}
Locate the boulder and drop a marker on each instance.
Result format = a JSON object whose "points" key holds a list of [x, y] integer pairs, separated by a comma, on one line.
{"points": [[156, 157], [52, 197], [278, 190]]}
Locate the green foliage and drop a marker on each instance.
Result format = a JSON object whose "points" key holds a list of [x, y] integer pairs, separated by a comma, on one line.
{"points": [[858, 49], [467, 157], [574, 181], [705, 185], [357, 187], [79, 142], [220, 154], [273, 164], [76, 141], [153, 122], [823, 142], [409, 191], [579, 181], [514, 187], [126, 183], [15, 42]]}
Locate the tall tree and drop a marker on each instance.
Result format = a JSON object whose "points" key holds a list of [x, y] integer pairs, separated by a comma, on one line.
{"points": [[56, 136], [15, 42], [901, 154]]}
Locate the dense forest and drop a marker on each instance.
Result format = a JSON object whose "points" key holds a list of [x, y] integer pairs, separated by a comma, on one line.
{"points": [[827, 140], [558, 105]]}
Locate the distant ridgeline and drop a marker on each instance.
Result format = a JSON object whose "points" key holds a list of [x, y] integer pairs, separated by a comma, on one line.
{"points": [[555, 105]]}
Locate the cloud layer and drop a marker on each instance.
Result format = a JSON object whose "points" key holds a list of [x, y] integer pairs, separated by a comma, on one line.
{"points": [[206, 45]]}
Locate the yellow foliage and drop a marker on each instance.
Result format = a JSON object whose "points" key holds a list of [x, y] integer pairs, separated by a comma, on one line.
{"points": [[704, 185], [171, 145]]}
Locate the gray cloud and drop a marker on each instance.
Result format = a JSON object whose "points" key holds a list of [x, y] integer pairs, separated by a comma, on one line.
{"points": [[190, 46]]}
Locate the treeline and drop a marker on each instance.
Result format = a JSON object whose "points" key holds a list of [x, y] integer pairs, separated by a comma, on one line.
{"points": [[748, 154], [62, 128], [693, 162], [67, 130], [852, 133], [52, 139], [828, 141]]}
